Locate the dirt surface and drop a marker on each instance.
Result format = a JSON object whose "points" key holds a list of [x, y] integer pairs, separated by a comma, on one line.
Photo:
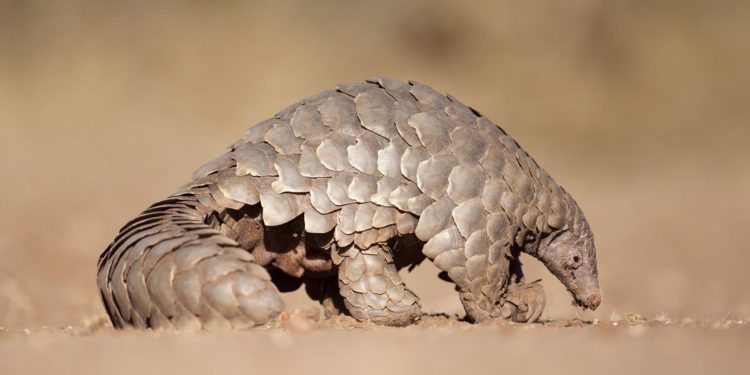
{"points": [[638, 108], [300, 343]]}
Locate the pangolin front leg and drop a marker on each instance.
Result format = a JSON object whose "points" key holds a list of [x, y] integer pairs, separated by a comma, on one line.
{"points": [[481, 279], [527, 301], [372, 288], [489, 280]]}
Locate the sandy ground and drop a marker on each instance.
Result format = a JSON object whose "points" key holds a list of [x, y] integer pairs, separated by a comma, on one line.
{"points": [[437, 345], [639, 108]]}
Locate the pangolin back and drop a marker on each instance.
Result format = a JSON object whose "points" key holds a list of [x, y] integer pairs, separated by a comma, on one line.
{"points": [[384, 158]]}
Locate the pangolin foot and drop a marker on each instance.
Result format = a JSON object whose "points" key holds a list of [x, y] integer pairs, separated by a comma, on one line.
{"points": [[528, 300]]}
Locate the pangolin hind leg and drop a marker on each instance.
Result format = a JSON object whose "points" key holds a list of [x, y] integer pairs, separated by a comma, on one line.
{"points": [[372, 288]]}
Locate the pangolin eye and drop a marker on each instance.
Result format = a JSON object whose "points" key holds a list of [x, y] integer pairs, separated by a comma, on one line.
{"points": [[574, 262]]}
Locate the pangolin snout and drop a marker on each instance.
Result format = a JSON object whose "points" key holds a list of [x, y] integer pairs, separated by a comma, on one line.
{"points": [[591, 301]]}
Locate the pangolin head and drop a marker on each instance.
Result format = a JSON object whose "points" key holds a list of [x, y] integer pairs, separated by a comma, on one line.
{"points": [[569, 253]]}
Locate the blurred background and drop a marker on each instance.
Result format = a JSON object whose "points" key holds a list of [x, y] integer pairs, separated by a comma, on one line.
{"points": [[639, 108]]}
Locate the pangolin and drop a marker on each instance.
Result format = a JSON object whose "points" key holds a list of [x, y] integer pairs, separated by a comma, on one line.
{"points": [[337, 193]]}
